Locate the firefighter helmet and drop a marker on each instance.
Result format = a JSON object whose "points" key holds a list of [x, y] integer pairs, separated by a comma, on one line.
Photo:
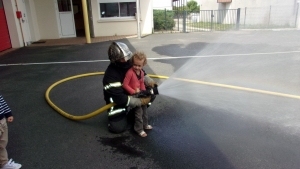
{"points": [[118, 50]]}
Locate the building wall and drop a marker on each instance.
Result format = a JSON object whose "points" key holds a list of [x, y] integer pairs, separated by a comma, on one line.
{"points": [[32, 19], [213, 5], [46, 19], [162, 4], [259, 12], [146, 16], [43, 24], [117, 26]]}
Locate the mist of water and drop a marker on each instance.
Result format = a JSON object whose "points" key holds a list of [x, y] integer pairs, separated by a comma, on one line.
{"points": [[199, 68], [178, 86], [214, 66]]}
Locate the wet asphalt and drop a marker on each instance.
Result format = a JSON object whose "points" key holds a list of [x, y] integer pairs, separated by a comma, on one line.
{"points": [[221, 128]]}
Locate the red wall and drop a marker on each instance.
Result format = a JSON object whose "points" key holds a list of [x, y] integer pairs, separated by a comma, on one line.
{"points": [[4, 34]]}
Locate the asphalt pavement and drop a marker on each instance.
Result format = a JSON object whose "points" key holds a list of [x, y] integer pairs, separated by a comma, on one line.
{"points": [[240, 112]]}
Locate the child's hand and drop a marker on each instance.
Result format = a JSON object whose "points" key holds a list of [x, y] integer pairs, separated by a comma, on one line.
{"points": [[10, 119], [137, 90]]}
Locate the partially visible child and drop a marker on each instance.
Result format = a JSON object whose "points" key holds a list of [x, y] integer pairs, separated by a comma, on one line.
{"points": [[134, 83], [5, 114]]}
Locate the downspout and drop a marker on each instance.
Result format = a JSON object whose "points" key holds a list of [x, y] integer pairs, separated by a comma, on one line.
{"points": [[23, 39], [138, 19], [86, 22]]}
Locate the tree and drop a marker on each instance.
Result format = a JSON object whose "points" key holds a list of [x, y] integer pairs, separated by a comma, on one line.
{"points": [[193, 6]]}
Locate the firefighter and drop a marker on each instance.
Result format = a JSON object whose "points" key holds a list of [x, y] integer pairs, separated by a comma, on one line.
{"points": [[119, 55]]}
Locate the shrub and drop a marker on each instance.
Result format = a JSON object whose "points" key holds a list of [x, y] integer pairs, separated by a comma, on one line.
{"points": [[163, 19]]}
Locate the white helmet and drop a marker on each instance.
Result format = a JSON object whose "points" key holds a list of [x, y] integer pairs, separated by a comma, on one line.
{"points": [[118, 50]]}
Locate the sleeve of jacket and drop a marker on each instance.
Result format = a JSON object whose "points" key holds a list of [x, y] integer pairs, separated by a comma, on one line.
{"points": [[115, 89], [127, 81], [4, 108]]}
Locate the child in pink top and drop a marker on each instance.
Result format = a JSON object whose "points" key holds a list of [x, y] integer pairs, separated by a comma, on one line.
{"points": [[133, 84]]}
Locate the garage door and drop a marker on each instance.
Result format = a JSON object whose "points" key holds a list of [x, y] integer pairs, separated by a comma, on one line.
{"points": [[4, 34]]}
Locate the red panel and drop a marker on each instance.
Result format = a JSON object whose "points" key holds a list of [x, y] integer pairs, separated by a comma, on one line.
{"points": [[4, 34]]}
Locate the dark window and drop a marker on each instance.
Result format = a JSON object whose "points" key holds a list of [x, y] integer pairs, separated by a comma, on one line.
{"points": [[64, 5], [109, 10], [127, 9], [122, 9]]}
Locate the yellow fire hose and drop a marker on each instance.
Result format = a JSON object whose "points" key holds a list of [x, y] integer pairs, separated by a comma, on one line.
{"points": [[87, 116], [83, 117]]}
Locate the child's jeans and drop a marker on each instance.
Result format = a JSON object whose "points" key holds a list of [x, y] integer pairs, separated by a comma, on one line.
{"points": [[141, 118], [3, 142]]}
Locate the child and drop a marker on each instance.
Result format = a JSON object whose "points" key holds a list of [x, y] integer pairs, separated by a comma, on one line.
{"points": [[5, 113], [133, 84]]}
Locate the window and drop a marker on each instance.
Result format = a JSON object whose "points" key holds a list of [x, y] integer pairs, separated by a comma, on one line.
{"points": [[117, 9], [64, 5]]}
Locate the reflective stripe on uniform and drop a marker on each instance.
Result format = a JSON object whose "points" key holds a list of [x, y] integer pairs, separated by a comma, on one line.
{"points": [[128, 100], [111, 101], [110, 85], [117, 111]]}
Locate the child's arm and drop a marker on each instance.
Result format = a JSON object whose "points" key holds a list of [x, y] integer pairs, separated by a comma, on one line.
{"points": [[10, 119], [126, 81], [137, 90], [6, 110]]}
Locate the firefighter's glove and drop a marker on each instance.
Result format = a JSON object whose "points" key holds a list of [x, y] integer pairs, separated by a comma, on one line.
{"points": [[144, 93], [152, 84], [145, 100]]}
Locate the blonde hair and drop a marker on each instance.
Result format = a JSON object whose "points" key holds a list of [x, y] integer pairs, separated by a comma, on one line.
{"points": [[139, 56]]}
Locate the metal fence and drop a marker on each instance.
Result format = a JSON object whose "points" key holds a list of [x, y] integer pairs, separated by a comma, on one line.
{"points": [[227, 19]]}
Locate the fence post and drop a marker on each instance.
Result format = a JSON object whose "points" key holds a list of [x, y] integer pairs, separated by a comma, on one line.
{"points": [[165, 18], [269, 16], [296, 15], [238, 18], [245, 17], [177, 20], [184, 21], [211, 19]]}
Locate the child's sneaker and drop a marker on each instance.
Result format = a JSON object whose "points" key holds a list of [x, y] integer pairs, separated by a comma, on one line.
{"points": [[11, 165], [148, 127]]}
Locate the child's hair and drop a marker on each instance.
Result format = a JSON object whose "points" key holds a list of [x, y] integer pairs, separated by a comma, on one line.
{"points": [[139, 56]]}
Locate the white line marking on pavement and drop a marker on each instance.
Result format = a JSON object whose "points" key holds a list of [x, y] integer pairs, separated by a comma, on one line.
{"points": [[160, 58]]}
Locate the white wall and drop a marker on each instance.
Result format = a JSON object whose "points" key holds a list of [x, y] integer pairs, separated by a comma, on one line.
{"points": [[162, 4], [118, 26], [43, 23], [167, 4], [146, 17], [32, 19], [213, 5], [259, 12], [46, 19]]}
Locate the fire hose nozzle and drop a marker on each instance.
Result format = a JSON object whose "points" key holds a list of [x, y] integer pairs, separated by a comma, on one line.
{"points": [[148, 92], [154, 91]]}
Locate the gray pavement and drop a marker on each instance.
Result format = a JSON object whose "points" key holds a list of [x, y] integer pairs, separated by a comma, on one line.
{"points": [[196, 126]]}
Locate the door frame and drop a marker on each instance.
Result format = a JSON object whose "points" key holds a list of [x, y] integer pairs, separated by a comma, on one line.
{"points": [[24, 22]]}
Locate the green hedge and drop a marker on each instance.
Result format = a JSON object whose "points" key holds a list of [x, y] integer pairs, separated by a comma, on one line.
{"points": [[163, 20]]}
